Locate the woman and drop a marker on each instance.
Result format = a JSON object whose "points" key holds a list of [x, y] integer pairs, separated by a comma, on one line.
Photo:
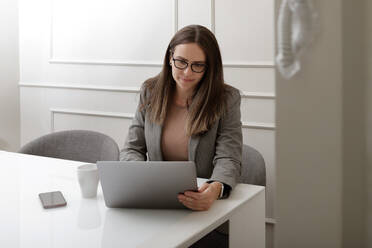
{"points": [[187, 112]]}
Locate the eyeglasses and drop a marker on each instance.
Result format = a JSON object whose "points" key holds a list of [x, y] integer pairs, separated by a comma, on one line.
{"points": [[195, 67]]}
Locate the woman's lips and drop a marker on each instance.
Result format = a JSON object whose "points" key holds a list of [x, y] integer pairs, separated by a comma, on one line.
{"points": [[187, 80]]}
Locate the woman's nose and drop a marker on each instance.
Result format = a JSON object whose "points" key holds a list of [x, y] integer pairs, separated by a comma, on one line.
{"points": [[188, 70]]}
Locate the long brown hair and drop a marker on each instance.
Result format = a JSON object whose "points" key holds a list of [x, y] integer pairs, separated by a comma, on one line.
{"points": [[208, 101]]}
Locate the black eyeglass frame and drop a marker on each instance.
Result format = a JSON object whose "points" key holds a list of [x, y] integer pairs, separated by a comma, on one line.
{"points": [[187, 65]]}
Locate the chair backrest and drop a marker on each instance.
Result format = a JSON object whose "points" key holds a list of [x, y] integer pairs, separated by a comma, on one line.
{"points": [[253, 170], [80, 145]]}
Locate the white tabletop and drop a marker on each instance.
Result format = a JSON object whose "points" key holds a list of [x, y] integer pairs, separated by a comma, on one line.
{"points": [[87, 222]]}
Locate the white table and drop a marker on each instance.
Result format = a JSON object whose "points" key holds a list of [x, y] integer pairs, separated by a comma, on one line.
{"points": [[88, 223]]}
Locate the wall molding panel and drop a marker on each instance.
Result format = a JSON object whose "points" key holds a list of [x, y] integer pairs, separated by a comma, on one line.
{"points": [[213, 16], [244, 94], [123, 62], [257, 43], [105, 62], [260, 95], [247, 64], [250, 64], [175, 15], [271, 221], [82, 87], [256, 125], [53, 111], [248, 125], [120, 62]]}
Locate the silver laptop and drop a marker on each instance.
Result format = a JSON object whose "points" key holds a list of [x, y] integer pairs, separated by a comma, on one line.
{"points": [[145, 184]]}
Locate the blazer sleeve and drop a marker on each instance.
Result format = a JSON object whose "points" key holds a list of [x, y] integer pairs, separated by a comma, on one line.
{"points": [[135, 144], [229, 141]]}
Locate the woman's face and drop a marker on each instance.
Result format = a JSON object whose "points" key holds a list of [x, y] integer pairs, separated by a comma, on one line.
{"points": [[187, 79]]}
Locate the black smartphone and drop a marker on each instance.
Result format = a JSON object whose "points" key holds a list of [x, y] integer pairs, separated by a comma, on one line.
{"points": [[52, 199]]}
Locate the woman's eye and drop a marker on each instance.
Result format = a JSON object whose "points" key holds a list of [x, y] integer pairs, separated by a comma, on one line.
{"points": [[199, 65], [181, 63]]}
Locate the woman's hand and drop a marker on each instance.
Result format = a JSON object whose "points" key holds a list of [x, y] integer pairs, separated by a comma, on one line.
{"points": [[203, 199]]}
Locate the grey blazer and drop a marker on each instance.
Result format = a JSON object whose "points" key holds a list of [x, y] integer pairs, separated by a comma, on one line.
{"points": [[217, 153]]}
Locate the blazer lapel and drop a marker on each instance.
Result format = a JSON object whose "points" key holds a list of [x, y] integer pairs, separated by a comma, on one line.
{"points": [[153, 139], [158, 155], [193, 145]]}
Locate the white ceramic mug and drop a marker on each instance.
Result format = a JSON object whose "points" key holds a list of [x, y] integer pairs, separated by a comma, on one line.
{"points": [[88, 180]]}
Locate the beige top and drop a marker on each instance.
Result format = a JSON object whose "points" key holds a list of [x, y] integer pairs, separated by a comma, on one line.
{"points": [[174, 141]]}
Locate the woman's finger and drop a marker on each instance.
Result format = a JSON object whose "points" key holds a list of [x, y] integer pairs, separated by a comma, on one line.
{"points": [[203, 202], [194, 206], [194, 195]]}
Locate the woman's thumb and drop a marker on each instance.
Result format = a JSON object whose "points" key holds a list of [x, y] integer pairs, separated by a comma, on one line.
{"points": [[203, 187]]}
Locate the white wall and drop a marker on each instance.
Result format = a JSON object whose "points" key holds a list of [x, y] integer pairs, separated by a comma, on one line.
{"points": [[368, 122], [321, 136], [309, 142], [9, 76], [353, 130], [9, 112], [82, 63]]}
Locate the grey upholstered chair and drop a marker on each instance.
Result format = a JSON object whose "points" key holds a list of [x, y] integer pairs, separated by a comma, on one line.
{"points": [[253, 171], [79, 145]]}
